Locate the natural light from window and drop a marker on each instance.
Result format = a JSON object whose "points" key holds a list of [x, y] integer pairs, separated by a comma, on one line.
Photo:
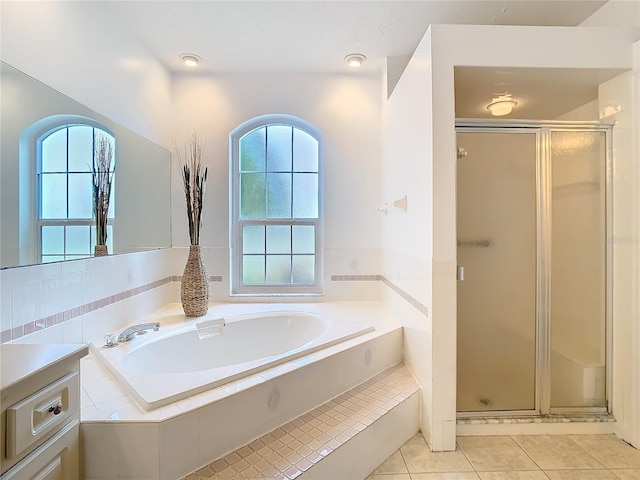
{"points": [[277, 216]]}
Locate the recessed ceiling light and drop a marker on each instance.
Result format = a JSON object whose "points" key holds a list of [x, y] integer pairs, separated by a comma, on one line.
{"points": [[190, 59], [355, 60]]}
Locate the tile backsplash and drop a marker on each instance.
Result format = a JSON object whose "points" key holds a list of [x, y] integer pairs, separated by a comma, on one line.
{"points": [[66, 301], [37, 297]]}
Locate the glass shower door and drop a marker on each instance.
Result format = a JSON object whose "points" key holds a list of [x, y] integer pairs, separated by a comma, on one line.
{"points": [[578, 269], [497, 230]]}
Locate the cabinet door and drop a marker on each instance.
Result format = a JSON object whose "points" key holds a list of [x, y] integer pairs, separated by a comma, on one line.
{"points": [[56, 459]]}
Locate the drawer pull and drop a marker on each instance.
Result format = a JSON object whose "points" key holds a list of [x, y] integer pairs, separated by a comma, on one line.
{"points": [[56, 410]]}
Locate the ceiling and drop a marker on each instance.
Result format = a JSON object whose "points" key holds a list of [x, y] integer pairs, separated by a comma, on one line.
{"points": [[314, 36], [541, 93]]}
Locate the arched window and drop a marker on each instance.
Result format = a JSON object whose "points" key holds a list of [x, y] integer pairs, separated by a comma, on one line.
{"points": [[276, 208], [65, 225]]}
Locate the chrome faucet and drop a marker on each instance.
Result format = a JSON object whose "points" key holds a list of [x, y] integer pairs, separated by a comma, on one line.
{"points": [[130, 332]]}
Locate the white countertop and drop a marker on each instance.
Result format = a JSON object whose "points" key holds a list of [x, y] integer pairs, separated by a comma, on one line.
{"points": [[20, 361]]}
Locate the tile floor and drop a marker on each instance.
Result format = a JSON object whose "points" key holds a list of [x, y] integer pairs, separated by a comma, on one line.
{"points": [[536, 457]]}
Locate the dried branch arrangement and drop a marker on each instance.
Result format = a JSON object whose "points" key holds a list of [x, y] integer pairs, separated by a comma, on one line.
{"points": [[194, 182], [102, 181]]}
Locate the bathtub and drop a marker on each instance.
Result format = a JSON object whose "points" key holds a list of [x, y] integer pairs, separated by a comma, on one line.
{"points": [[179, 361]]}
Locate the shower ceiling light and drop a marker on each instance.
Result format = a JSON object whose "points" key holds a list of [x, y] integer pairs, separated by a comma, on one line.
{"points": [[502, 104], [355, 60], [190, 59]]}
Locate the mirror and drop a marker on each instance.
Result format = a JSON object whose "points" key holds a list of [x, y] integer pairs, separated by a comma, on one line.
{"points": [[142, 203]]}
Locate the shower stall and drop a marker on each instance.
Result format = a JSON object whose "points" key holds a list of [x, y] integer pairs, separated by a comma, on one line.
{"points": [[533, 223]]}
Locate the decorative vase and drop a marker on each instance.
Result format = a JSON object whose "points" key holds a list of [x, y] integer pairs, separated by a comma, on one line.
{"points": [[194, 288], [100, 251]]}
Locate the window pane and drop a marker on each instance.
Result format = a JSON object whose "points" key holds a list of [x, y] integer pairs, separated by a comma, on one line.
{"points": [[303, 268], [80, 148], [53, 258], [252, 195], [278, 195], [54, 152], [78, 239], [279, 239], [253, 269], [54, 195], [304, 239], [305, 152], [305, 195], [80, 195], [278, 269], [253, 239], [52, 239], [279, 148], [112, 202], [253, 151]]}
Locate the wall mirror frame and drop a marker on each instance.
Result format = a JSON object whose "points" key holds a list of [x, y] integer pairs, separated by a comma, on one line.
{"points": [[142, 200]]}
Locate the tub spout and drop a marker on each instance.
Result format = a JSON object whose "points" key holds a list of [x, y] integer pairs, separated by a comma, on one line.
{"points": [[129, 333]]}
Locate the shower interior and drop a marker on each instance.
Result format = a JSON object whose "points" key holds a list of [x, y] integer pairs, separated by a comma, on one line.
{"points": [[532, 222]]}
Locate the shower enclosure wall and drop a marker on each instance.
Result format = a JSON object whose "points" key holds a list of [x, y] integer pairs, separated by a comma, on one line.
{"points": [[532, 228]]}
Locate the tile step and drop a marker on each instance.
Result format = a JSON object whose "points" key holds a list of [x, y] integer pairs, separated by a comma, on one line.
{"points": [[309, 442]]}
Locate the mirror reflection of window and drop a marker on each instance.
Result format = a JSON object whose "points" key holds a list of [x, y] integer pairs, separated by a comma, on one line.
{"points": [[66, 228]]}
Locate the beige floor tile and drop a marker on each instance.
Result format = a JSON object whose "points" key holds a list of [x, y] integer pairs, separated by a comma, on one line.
{"points": [[393, 476], [445, 476], [419, 459], [627, 473], [609, 450], [556, 452], [521, 475], [393, 464], [580, 475], [495, 453]]}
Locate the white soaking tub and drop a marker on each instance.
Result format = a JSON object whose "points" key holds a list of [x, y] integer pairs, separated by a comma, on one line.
{"points": [[178, 361]]}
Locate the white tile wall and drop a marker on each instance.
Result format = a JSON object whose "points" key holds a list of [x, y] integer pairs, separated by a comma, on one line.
{"points": [[55, 302], [112, 291], [177, 439]]}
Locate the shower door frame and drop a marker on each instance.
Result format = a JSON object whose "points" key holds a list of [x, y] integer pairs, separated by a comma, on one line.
{"points": [[543, 130]]}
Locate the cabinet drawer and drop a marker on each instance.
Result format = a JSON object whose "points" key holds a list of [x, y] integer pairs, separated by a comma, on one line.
{"points": [[57, 459], [31, 421]]}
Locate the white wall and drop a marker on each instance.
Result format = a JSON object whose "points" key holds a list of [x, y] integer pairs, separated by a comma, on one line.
{"points": [[623, 92], [407, 236], [541, 47], [82, 50], [624, 243], [345, 108], [616, 13]]}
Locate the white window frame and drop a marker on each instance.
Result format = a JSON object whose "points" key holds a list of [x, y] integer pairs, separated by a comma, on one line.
{"points": [[236, 224], [52, 125]]}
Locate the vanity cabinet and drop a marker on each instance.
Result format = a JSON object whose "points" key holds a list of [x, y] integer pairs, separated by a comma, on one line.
{"points": [[40, 411]]}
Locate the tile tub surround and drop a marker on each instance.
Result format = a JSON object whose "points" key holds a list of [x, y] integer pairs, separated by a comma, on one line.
{"points": [[297, 447], [539, 457], [122, 440]]}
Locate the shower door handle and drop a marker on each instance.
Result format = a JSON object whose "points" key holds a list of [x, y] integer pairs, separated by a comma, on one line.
{"points": [[460, 273]]}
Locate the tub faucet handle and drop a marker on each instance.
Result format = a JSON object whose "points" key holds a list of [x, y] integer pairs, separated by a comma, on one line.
{"points": [[110, 340]]}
